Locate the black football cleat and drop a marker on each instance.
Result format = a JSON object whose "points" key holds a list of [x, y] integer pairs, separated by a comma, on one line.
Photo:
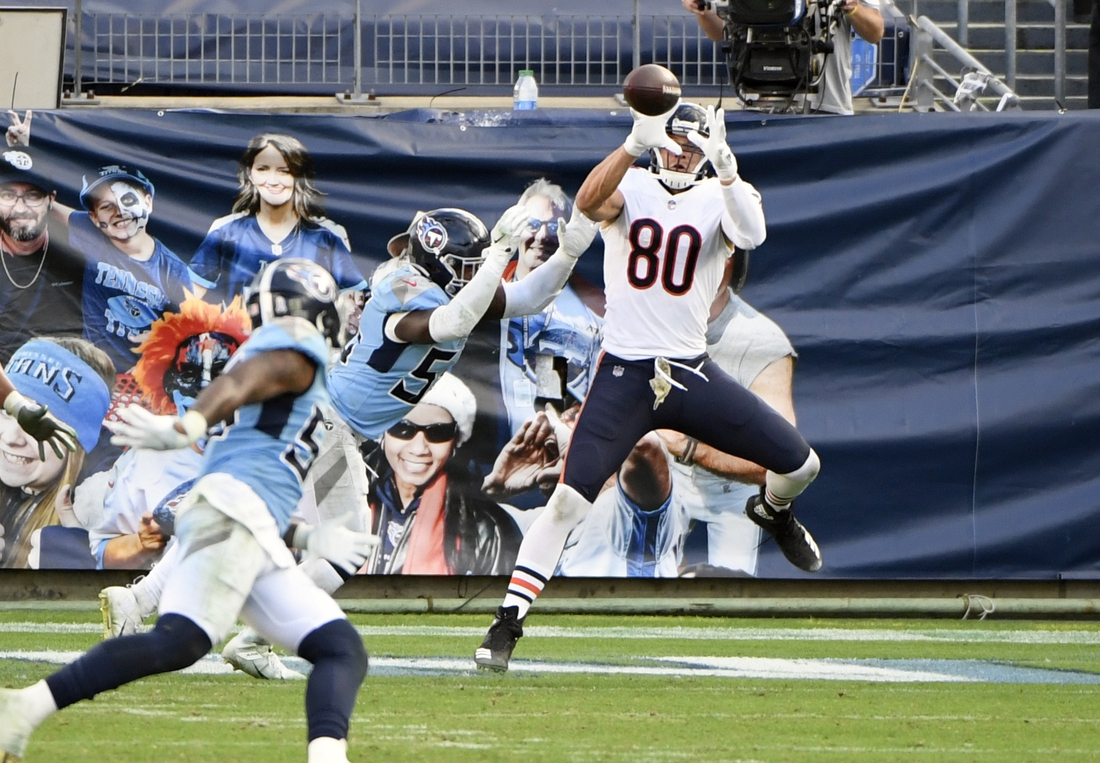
{"points": [[793, 539], [496, 649]]}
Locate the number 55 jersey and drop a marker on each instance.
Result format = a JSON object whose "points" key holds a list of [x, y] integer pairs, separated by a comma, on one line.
{"points": [[664, 257], [270, 445], [377, 381]]}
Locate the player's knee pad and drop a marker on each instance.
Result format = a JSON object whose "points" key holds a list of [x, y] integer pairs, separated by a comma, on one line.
{"points": [[337, 640], [178, 643], [791, 484], [567, 507]]}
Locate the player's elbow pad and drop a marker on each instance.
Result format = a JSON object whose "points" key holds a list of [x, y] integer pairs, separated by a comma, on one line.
{"points": [[744, 207]]}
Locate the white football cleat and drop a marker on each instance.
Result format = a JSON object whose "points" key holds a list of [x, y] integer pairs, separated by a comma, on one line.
{"points": [[122, 614], [15, 729], [250, 654]]}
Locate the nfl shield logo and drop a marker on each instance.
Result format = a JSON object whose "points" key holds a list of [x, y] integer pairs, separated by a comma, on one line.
{"points": [[617, 371]]}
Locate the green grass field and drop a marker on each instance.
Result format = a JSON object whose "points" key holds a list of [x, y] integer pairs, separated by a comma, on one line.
{"points": [[432, 712]]}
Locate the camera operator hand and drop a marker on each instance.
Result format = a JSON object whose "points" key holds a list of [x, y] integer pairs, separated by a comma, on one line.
{"points": [[709, 21], [715, 147], [649, 132]]}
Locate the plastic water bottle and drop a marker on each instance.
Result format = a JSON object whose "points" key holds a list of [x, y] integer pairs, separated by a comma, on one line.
{"points": [[526, 93]]}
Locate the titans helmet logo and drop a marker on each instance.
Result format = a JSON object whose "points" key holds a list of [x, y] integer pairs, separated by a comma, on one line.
{"points": [[432, 235], [316, 281]]}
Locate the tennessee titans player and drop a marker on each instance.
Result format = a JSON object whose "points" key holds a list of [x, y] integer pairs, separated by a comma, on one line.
{"points": [[233, 559]]}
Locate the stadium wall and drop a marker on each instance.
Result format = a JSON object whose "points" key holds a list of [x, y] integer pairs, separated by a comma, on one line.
{"points": [[938, 275]]}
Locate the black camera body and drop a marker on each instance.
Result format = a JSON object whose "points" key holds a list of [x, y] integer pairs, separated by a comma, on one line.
{"points": [[780, 13], [776, 49]]}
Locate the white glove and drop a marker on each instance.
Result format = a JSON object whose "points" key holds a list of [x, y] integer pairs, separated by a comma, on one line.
{"points": [[509, 229], [333, 541], [137, 428], [576, 235], [715, 148], [649, 132]]}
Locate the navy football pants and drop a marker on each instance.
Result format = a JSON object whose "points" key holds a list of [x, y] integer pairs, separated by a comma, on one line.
{"points": [[618, 411]]}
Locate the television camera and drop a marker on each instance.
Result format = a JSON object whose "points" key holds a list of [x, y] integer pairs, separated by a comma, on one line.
{"points": [[776, 49]]}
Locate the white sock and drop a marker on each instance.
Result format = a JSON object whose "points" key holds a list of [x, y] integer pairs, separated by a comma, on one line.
{"points": [[781, 489], [542, 547], [327, 750], [38, 703]]}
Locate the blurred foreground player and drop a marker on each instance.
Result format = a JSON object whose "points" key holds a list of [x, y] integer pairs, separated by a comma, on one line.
{"points": [[233, 558], [667, 236]]}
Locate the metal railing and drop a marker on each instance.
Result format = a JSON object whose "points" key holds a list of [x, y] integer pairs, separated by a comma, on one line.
{"points": [[966, 92], [1059, 74], [1059, 48], [418, 52]]}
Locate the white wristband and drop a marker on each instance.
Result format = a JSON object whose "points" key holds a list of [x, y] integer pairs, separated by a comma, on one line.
{"points": [[194, 425], [301, 536], [14, 403]]}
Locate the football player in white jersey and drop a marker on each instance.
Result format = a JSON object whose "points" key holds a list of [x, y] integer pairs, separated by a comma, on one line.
{"points": [[668, 233]]}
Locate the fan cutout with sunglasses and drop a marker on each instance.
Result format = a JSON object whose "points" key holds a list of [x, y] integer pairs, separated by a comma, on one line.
{"points": [[442, 431]]}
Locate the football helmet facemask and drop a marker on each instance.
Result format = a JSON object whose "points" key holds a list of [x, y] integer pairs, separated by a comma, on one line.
{"points": [[297, 288], [447, 243], [688, 117]]}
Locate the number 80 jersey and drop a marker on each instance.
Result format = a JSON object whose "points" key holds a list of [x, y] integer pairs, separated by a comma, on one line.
{"points": [[377, 381], [663, 262]]}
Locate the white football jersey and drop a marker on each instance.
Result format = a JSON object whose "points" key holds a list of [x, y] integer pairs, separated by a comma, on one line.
{"points": [[663, 262]]}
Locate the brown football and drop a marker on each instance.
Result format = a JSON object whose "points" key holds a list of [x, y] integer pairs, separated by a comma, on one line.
{"points": [[651, 89]]}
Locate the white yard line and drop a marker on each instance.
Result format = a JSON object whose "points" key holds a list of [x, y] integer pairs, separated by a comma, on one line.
{"points": [[709, 667], [690, 634]]}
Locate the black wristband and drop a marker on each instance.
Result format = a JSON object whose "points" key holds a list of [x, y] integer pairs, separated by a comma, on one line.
{"points": [[687, 458]]}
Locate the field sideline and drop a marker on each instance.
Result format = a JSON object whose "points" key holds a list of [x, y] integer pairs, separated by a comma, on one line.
{"points": [[597, 688]]}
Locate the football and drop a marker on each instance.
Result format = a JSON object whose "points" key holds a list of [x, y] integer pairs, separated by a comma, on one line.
{"points": [[651, 89]]}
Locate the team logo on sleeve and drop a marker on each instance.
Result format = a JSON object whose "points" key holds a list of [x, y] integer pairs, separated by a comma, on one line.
{"points": [[316, 283], [431, 234]]}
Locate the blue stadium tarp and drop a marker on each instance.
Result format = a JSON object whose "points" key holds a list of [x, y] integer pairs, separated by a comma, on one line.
{"points": [[939, 275]]}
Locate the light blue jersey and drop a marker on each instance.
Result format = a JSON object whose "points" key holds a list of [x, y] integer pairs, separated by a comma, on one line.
{"points": [[377, 381], [270, 445]]}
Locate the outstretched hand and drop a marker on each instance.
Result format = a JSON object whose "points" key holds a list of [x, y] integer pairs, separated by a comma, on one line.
{"points": [[37, 421], [649, 132], [335, 541], [509, 229], [138, 428], [714, 146], [532, 458], [19, 131]]}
